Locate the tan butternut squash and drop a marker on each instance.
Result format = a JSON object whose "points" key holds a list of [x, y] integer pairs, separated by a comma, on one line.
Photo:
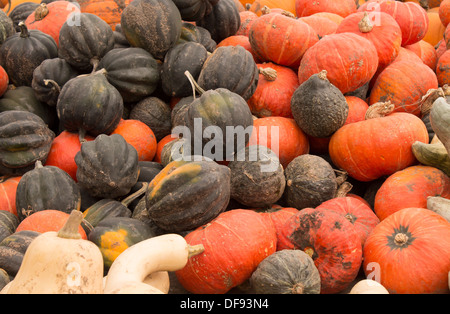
{"points": [[130, 271], [60, 263], [433, 154], [368, 286]]}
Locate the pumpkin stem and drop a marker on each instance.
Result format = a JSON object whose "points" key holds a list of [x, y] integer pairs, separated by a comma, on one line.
{"points": [[446, 90], [265, 10], [82, 135], [38, 164], [379, 109], [288, 14], [341, 176], [248, 6], [55, 85], [23, 30], [95, 62], [268, 73], [401, 239], [195, 250], [343, 189], [323, 75], [298, 288], [41, 12], [70, 228], [195, 86], [428, 99], [126, 201], [365, 25], [309, 251]]}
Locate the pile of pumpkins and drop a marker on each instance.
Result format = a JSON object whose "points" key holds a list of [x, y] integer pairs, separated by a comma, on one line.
{"points": [[347, 104]]}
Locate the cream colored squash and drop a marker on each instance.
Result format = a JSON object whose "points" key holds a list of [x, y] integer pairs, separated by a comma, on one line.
{"points": [[131, 269], [60, 263], [368, 286], [159, 280], [439, 205]]}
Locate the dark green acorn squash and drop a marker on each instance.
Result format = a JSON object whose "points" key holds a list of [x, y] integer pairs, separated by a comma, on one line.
{"points": [[194, 10], [319, 107], [21, 12], [107, 166], [230, 67], [178, 113], [119, 38], [133, 71], [113, 235], [154, 25], [49, 77], [83, 45], [286, 272], [90, 103], [188, 194], [310, 180], [24, 139], [110, 208], [12, 249], [197, 34], [226, 116], [257, 177], [155, 113], [6, 27], [8, 223], [46, 187], [23, 52], [24, 98], [223, 21], [189, 56], [4, 278]]}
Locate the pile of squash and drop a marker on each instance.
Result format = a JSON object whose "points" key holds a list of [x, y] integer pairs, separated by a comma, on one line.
{"points": [[336, 181]]}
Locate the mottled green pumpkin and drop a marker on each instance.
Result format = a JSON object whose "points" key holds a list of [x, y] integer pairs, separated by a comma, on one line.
{"points": [[194, 10], [24, 139], [188, 194], [319, 108], [310, 180], [6, 27], [113, 235], [286, 272], [198, 34], [46, 187], [4, 278], [12, 249]]}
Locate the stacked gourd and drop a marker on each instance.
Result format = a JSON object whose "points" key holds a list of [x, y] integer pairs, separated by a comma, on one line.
{"points": [[341, 172]]}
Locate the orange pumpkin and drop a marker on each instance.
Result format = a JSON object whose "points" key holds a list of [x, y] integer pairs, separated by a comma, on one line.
{"points": [[426, 52], [47, 220], [384, 34], [108, 10], [322, 25], [443, 69], [349, 59], [63, 150], [4, 81], [284, 40], [235, 243], [441, 48], [436, 29], [14, 3], [331, 16], [241, 40], [286, 5], [357, 109], [444, 12], [410, 187], [408, 252], [282, 135], [377, 147], [308, 7], [140, 136], [403, 83], [247, 18], [8, 187], [49, 18], [273, 93]]}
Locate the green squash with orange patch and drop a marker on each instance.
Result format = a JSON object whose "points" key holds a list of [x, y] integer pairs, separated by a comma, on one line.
{"points": [[185, 195], [113, 235]]}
